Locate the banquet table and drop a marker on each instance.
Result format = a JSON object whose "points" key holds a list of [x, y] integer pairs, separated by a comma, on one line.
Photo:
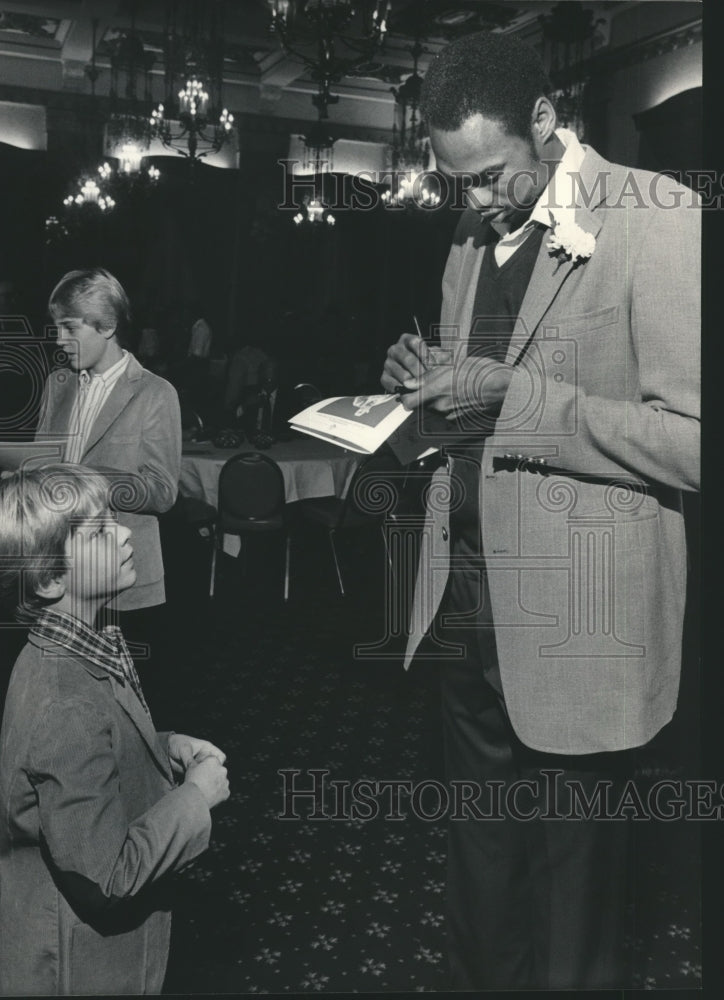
{"points": [[311, 468]]}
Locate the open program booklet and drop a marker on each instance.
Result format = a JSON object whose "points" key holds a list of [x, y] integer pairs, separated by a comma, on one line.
{"points": [[363, 423]]}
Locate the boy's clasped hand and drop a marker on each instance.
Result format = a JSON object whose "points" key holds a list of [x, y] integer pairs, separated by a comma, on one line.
{"points": [[202, 764]]}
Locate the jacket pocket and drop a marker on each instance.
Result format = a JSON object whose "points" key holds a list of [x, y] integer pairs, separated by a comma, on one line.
{"points": [[580, 323], [107, 965]]}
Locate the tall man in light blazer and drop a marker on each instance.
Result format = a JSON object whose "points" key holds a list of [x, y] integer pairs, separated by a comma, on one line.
{"points": [[552, 579], [123, 420]]}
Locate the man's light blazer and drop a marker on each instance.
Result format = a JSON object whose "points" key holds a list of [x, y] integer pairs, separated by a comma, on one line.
{"points": [[580, 502]]}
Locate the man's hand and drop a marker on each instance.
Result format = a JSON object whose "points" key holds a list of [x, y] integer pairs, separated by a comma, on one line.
{"points": [[186, 751], [209, 776], [406, 361], [474, 385]]}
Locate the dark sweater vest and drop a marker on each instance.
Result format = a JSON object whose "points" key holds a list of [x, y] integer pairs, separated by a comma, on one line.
{"points": [[498, 298], [466, 601]]}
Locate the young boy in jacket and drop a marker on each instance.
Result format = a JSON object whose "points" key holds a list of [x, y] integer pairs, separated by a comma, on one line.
{"points": [[123, 420], [97, 806]]}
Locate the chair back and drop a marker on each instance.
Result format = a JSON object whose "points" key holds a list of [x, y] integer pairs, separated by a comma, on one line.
{"points": [[251, 487], [375, 488], [415, 488], [306, 394], [190, 419]]}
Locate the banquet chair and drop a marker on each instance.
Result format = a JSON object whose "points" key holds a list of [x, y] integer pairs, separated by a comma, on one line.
{"points": [[190, 512], [192, 426], [372, 497], [415, 485], [196, 514], [251, 501], [188, 515], [306, 394]]}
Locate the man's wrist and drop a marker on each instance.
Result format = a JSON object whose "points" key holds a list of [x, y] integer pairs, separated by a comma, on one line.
{"points": [[489, 383]]}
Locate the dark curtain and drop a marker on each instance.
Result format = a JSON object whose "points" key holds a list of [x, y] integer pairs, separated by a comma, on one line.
{"points": [[31, 190], [171, 246], [328, 301], [670, 135]]}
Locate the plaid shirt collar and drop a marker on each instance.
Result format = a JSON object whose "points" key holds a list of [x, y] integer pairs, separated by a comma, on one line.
{"points": [[105, 648]]}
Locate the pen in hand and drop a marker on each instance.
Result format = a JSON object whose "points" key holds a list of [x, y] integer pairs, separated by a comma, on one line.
{"points": [[419, 334], [402, 389]]}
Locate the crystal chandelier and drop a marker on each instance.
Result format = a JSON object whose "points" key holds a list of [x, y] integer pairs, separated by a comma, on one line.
{"points": [[90, 201], [323, 24], [130, 157], [317, 160], [313, 211], [410, 149], [98, 194], [414, 190], [124, 141], [192, 121], [129, 176], [318, 150], [128, 130], [93, 191]]}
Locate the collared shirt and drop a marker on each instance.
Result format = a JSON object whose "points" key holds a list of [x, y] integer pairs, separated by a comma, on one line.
{"points": [[558, 194], [93, 391], [105, 648]]}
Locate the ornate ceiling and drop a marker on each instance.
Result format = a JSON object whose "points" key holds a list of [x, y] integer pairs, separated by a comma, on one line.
{"points": [[48, 45]]}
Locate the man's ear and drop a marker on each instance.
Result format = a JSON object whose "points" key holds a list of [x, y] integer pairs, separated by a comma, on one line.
{"points": [[544, 121], [108, 333], [54, 589]]}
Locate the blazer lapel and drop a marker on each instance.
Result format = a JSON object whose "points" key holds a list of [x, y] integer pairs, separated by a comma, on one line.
{"points": [[456, 338], [551, 270], [123, 391], [130, 704], [548, 275], [59, 416]]}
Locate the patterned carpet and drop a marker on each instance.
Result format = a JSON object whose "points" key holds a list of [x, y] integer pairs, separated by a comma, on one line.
{"points": [[297, 906]]}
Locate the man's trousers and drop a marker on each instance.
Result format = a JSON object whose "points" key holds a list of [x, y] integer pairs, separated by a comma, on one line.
{"points": [[534, 899]]}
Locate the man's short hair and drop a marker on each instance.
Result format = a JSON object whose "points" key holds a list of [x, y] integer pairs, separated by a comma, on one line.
{"points": [[485, 73], [39, 509], [94, 295]]}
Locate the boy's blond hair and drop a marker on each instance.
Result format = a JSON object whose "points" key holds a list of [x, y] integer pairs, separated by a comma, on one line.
{"points": [[39, 510], [92, 294]]}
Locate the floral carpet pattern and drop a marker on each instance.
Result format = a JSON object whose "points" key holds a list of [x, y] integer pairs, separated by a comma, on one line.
{"points": [[338, 905], [313, 904]]}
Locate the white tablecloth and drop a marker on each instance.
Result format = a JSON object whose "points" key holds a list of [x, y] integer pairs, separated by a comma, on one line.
{"points": [[311, 468]]}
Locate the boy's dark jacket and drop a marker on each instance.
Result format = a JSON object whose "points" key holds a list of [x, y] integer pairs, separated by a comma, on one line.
{"points": [[91, 819]]}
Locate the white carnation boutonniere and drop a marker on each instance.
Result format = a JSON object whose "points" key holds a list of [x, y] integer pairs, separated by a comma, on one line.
{"points": [[570, 240]]}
